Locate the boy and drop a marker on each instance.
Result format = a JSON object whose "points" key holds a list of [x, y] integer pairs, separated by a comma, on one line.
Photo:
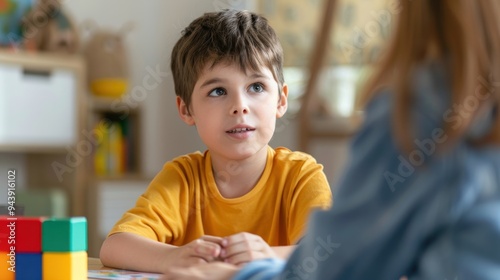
{"points": [[240, 200]]}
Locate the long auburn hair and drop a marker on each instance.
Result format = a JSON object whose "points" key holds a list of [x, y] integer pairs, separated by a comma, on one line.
{"points": [[467, 33]]}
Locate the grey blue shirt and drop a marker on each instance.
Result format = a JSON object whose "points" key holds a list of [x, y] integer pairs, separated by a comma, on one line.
{"points": [[428, 214]]}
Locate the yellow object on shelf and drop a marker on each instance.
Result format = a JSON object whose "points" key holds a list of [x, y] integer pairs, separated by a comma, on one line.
{"points": [[109, 87]]}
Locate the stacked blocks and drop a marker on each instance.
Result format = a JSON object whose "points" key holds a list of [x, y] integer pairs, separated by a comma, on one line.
{"points": [[64, 245], [38, 248], [28, 246]]}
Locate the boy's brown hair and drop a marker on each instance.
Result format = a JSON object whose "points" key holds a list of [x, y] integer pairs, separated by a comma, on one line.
{"points": [[228, 36]]}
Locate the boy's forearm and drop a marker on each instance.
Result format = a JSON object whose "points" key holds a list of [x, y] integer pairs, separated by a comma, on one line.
{"points": [[283, 251], [133, 252]]}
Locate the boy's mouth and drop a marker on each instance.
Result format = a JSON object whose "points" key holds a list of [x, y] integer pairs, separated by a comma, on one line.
{"points": [[240, 130]]}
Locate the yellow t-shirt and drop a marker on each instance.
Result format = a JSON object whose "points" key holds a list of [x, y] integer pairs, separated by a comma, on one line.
{"points": [[183, 203]]}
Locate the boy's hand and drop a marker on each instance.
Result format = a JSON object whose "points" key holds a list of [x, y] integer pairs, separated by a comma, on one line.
{"points": [[241, 248], [202, 250]]}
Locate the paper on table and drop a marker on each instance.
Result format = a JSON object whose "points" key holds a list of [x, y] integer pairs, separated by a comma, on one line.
{"points": [[121, 274]]}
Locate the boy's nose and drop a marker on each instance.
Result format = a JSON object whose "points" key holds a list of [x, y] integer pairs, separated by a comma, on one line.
{"points": [[240, 105], [236, 111]]}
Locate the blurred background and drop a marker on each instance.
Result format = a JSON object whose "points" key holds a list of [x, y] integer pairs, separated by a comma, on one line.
{"points": [[87, 107]]}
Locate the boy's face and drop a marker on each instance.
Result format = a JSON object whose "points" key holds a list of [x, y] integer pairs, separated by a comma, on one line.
{"points": [[235, 112]]}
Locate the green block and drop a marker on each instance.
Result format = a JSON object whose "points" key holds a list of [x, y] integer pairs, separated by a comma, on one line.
{"points": [[64, 234]]}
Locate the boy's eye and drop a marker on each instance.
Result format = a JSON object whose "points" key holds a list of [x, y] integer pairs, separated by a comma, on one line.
{"points": [[217, 92], [257, 87]]}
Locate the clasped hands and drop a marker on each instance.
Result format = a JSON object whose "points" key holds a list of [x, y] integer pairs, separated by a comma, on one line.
{"points": [[237, 250]]}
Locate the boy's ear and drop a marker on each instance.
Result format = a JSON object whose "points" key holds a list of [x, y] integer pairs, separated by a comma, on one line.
{"points": [[184, 112], [282, 102]]}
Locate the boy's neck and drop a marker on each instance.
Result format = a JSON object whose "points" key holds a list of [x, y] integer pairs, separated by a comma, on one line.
{"points": [[237, 178]]}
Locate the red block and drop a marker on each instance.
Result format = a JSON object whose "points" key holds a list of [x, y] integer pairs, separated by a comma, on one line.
{"points": [[22, 233], [29, 234], [7, 232]]}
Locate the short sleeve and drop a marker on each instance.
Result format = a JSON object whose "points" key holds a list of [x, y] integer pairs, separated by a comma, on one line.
{"points": [[312, 193], [157, 214]]}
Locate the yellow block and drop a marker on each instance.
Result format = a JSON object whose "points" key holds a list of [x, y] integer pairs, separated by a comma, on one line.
{"points": [[6, 263], [65, 266]]}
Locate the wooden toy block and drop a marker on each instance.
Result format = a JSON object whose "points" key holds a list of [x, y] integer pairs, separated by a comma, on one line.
{"points": [[23, 233], [64, 234], [7, 232], [65, 266], [29, 234], [7, 266], [29, 266]]}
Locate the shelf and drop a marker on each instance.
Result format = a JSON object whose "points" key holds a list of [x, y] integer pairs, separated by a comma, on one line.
{"points": [[40, 60], [109, 104], [4, 148], [53, 87], [114, 163]]}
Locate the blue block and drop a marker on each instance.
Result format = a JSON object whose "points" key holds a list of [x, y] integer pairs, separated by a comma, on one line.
{"points": [[28, 266]]}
